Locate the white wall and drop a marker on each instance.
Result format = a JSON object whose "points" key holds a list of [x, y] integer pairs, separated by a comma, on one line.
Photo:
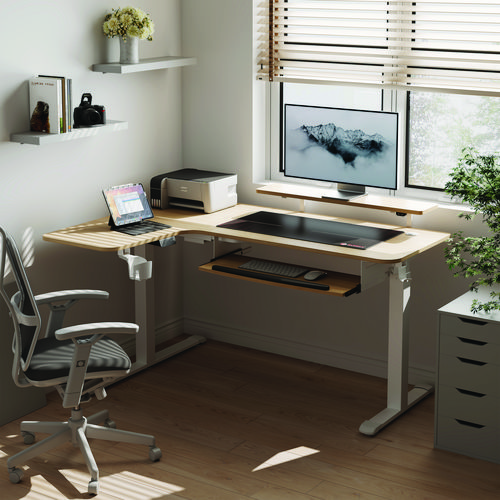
{"points": [[199, 117], [48, 187], [221, 127]]}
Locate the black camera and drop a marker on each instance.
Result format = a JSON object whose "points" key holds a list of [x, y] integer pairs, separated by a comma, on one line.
{"points": [[88, 114]]}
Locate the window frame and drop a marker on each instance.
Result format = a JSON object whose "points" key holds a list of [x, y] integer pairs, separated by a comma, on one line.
{"points": [[272, 16]]}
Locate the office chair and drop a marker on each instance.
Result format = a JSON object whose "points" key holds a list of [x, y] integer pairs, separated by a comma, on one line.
{"points": [[78, 361]]}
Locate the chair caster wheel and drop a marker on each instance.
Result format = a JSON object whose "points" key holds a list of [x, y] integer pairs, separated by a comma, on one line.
{"points": [[28, 437], [15, 475], [110, 423], [93, 488], [154, 454]]}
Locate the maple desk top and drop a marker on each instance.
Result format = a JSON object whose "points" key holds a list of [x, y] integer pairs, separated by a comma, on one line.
{"points": [[96, 235]]}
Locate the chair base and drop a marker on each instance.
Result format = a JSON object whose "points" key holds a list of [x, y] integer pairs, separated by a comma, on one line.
{"points": [[77, 429]]}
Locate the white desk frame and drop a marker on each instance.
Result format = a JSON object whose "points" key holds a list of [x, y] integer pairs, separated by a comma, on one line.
{"points": [[146, 354], [388, 261], [399, 399]]}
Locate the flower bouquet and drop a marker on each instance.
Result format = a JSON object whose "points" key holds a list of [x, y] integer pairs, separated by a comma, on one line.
{"points": [[129, 21]]}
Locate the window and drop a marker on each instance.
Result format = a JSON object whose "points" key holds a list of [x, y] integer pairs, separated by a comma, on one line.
{"points": [[426, 59], [440, 126]]}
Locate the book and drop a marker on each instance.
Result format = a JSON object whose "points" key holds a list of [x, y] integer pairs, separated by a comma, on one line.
{"points": [[46, 105], [67, 103]]}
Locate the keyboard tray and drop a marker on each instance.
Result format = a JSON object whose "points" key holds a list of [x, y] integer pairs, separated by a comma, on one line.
{"points": [[334, 283]]}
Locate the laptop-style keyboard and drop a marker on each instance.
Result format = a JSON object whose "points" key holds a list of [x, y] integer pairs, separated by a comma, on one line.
{"points": [[266, 266], [141, 227]]}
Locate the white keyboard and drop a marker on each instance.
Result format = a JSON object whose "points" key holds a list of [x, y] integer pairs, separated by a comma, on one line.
{"points": [[267, 266]]}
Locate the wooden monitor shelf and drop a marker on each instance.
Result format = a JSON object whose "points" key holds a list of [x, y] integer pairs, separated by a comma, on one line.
{"points": [[398, 206], [339, 284]]}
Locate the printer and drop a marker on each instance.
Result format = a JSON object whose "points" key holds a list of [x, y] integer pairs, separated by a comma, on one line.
{"points": [[193, 188]]}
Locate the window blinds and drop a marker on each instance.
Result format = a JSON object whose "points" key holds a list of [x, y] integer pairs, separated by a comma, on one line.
{"points": [[444, 45]]}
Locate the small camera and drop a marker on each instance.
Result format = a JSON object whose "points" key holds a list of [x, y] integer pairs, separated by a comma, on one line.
{"points": [[88, 114]]}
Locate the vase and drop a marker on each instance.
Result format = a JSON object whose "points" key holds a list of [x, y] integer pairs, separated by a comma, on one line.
{"points": [[129, 50]]}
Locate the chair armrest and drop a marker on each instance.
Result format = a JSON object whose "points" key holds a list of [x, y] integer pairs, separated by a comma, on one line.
{"points": [[48, 298], [84, 337], [59, 302], [97, 329]]}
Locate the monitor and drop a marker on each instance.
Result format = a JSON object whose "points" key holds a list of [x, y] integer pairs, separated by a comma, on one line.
{"points": [[353, 148], [127, 204]]}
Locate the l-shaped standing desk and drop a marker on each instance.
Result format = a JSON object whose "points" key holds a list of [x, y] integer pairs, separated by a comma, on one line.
{"points": [[385, 260]]}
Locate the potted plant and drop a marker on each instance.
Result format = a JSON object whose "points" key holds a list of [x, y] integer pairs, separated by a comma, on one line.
{"points": [[130, 24], [476, 182]]}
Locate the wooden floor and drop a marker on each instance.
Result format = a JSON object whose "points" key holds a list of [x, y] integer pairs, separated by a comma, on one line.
{"points": [[238, 424]]}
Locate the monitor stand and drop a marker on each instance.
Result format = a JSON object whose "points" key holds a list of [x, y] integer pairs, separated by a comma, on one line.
{"points": [[345, 192]]}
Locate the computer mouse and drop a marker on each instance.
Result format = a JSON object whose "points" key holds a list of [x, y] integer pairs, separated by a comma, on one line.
{"points": [[314, 275]]}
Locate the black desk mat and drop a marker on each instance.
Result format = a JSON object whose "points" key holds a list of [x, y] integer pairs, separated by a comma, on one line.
{"points": [[309, 229]]}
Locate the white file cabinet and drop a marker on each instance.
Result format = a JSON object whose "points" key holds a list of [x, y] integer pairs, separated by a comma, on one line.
{"points": [[468, 380]]}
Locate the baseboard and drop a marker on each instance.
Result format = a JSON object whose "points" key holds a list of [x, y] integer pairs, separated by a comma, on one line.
{"points": [[316, 354], [163, 332]]}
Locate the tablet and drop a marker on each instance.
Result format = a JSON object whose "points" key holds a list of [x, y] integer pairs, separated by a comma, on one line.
{"points": [[127, 204]]}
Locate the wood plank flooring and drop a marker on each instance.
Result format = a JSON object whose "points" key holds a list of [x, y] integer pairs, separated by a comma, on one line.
{"points": [[238, 424]]}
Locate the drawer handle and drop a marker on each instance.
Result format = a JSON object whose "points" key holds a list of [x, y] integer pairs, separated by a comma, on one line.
{"points": [[471, 341], [477, 322], [471, 361], [471, 393], [469, 424]]}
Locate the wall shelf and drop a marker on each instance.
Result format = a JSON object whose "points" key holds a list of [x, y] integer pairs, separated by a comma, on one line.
{"points": [[40, 139], [145, 65]]}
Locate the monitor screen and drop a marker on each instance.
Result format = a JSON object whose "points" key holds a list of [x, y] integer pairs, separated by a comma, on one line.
{"points": [[341, 145], [127, 204]]}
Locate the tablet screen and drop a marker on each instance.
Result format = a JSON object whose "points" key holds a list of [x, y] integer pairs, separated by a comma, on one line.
{"points": [[127, 204]]}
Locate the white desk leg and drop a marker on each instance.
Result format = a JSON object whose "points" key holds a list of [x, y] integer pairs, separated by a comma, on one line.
{"points": [[144, 314], [145, 349], [398, 398]]}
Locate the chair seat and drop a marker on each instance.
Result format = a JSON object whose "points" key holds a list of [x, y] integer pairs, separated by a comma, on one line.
{"points": [[52, 358]]}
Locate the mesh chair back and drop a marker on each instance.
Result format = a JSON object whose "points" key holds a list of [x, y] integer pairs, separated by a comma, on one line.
{"points": [[21, 304]]}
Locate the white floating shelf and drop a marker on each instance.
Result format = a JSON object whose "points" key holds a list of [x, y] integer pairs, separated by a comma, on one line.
{"points": [[39, 139], [145, 65]]}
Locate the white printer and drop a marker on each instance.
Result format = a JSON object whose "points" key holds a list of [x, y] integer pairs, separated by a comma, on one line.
{"points": [[193, 188]]}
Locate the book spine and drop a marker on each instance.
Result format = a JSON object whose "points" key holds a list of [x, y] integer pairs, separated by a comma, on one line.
{"points": [[69, 104]]}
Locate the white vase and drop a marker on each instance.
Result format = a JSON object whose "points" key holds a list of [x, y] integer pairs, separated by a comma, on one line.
{"points": [[129, 50]]}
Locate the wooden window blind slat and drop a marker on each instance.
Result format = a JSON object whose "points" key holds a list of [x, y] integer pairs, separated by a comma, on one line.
{"points": [[443, 45]]}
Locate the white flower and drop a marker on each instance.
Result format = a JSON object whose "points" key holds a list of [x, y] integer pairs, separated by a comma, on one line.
{"points": [[129, 21]]}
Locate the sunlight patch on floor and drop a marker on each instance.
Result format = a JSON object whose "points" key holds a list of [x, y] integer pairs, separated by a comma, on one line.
{"points": [[137, 486], [286, 456]]}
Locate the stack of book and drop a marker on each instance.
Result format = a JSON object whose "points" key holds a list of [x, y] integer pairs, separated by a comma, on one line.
{"points": [[50, 102]]}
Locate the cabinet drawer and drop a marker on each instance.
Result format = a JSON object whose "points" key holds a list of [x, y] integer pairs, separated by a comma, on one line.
{"points": [[479, 330], [479, 350], [469, 374], [468, 438], [467, 405]]}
